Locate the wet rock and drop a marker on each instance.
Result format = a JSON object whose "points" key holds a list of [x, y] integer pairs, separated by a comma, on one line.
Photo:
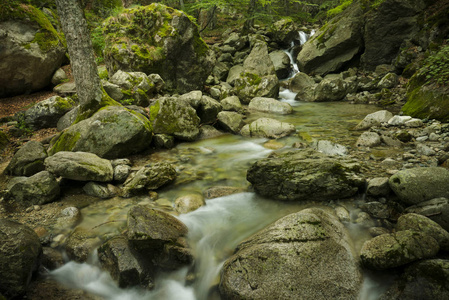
{"points": [[38, 189], [399, 120], [304, 86], [221, 191], [80, 166], [80, 243], [292, 259], [28, 161], [374, 119], [231, 121], [163, 141], [208, 110], [270, 105], [231, 103], [376, 210], [20, 254], [417, 185], [305, 175], [188, 203], [209, 132], [330, 148], [51, 258], [436, 209], [121, 172], [45, 114], [331, 88], [281, 63], [103, 191], [68, 218], [150, 177], [397, 249], [269, 128], [368, 139], [378, 187]]}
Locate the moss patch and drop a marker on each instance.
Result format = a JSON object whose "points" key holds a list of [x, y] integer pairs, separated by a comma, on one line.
{"points": [[66, 141]]}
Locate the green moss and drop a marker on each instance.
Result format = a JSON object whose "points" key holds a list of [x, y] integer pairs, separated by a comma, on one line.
{"points": [[64, 104], [87, 111], [337, 10], [66, 141]]}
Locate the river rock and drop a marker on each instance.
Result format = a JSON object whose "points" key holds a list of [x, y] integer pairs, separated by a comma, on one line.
{"points": [[425, 279], [417, 185], [38, 189], [305, 175], [20, 253], [208, 110], [436, 209], [80, 166], [331, 88], [304, 86], [175, 117], [283, 32], [193, 98], [388, 81], [221, 191], [169, 45], [150, 177], [378, 187], [3, 140], [374, 119], [231, 103], [397, 249], [80, 243], [188, 203], [234, 74], [231, 121], [103, 191], [424, 225], [69, 217], [59, 77], [270, 105], [368, 139], [159, 236], [293, 259], [28, 161], [108, 133], [329, 148], [32, 50], [399, 120], [268, 128], [282, 64], [121, 172], [46, 113]]}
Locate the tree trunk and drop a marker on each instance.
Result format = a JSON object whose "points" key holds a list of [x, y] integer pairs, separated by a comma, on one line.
{"points": [[82, 58], [249, 22]]}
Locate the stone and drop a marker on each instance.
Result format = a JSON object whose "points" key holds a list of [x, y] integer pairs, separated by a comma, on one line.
{"points": [[399, 120], [331, 88], [82, 166], [113, 90], [293, 259], [368, 139], [329, 148], [389, 81], [4, 141], [121, 172], [59, 77], [269, 128], [65, 89], [374, 119], [68, 119], [230, 121], [221, 191], [234, 74], [417, 185], [20, 254], [188, 203], [208, 110], [28, 161], [69, 217], [270, 105], [376, 209], [220, 71], [163, 141], [425, 150], [282, 64], [45, 114], [193, 98], [378, 187], [81, 243], [150, 177], [304, 86], [305, 175], [231, 103], [388, 251], [38, 189], [414, 123], [436, 209], [103, 191]]}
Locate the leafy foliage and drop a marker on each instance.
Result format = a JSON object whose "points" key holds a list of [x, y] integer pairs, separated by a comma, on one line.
{"points": [[435, 69]]}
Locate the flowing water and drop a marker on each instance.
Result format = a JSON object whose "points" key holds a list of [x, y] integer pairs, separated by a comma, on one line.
{"points": [[218, 227]]}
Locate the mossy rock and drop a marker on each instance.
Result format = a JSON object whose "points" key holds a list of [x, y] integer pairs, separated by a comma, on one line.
{"points": [[3, 140]]}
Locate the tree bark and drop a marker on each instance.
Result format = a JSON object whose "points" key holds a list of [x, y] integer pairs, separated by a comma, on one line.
{"points": [[82, 58]]}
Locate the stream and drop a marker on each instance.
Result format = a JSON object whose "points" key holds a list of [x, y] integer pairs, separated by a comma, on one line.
{"points": [[218, 227]]}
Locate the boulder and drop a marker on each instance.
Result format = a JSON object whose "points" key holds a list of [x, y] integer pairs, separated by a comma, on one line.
{"points": [[294, 258], [231, 103], [378, 187], [305, 175], [282, 64], [374, 119], [3, 140], [389, 81], [304, 86], [158, 39], [234, 73], [103, 191], [268, 128], [188, 203], [231, 121], [283, 32], [436, 209], [368, 139], [159, 236], [65, 89], [80, 243], [175, 117], [270, 105], [111, 132], [80, 166], [150, 177], [397, 249], [220, 71], [426, 102], [32, 50], [208, 110], [193, 98], [28, 161], [68, 119], [236, 41], [329, 148], [38, 189], [45, 114], [59, 77], [20, 253], [417, 185], [331, 88]]}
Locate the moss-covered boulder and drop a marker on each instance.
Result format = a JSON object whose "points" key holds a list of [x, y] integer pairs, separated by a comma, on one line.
{"points": [[3, 140], [112, 132], [31, 49], [158, 39], [150, 177], [305, 255], [47, 113], [28, 161], [38, 189]]}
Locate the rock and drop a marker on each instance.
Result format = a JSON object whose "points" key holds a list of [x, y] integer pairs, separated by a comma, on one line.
{"points": [[103, 191], [68, 218], [331, 88], [163, 141], [59, 77], [51, 258], [397, 249], [32, 50], [188, 203], [376, 210], [174, 117], [374, 119], [388, 81], [159, 236], [258, 61], [3, 140], [113, 90], [234, 74], [425, 279], [426, 102], [108, 133], [293, 259], [417, 185], [399, 120], [424, 225], [237, 41], [269, 128], [329, 148], [28, 161], [425, 150], [150, 177], [208, 110], [270, 105], [335, 44], [378, 187], [304, 86], [282, 64], [368, 139], [283, 32], [38, 189], [231, 121], [68, 119], [436, 209], [221, 191], [20, 254], [220, 71], [193, 98], [80, 243], [305, 175], [45, 114], [169, 45], [209, 132], [65, 89], [121, 172], [231, 103], [80, 166]]}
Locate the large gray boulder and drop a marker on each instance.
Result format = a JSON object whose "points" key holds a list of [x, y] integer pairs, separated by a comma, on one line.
{"points": [[417, 185], [28, 161], [331, 88], [175, 117], [150, 177], [305, 175], [282, 64], [231, 121], [111, 132], [20, 253], [46, 114], [268, 128], [304, 86], [270, 105], [436, 209], [32, 50], [305, 255], [80, 166], [169, 45], [38, 189], [208, 110]]}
